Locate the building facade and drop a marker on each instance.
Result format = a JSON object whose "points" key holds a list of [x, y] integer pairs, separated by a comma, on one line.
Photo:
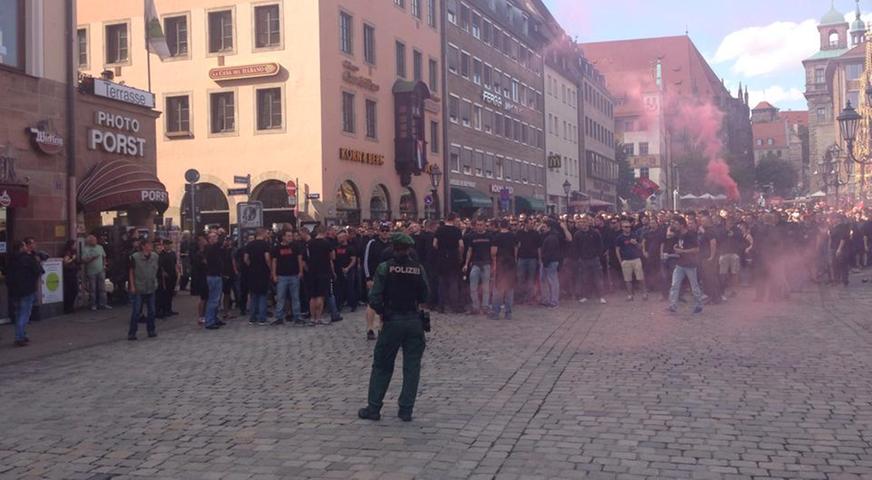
{"points": [[330, 110], [495, 137], [783, 136], [562, 139], [597, 131]]}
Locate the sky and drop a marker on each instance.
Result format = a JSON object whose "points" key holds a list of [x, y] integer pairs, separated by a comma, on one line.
{"points": [[760, 43]]}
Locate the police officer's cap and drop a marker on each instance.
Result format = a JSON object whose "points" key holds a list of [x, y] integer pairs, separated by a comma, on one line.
{"points": [[401, 239]]}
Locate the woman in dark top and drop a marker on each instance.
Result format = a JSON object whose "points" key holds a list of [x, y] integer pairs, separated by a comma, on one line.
{"points": [[198, 277], [70, 256]]}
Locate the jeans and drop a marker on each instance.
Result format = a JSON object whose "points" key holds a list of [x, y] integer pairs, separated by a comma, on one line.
{"points": [[551, 283], [97, 283], [527, 277], [216, 285], [136, 302], [590, 274], [257, 307], [677, 278], [479, 275], [449, 290], [503, 297], [288, 285], [22, 315]]}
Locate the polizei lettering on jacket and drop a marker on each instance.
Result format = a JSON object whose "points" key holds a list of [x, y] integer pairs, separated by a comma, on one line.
{"points": [[405, 269]]}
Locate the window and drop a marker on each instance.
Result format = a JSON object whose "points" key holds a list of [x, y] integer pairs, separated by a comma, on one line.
{"points": [[348, 112], [499, 167], [434, 137], [465, 112], [819, 75], [498, 123], [488, 120], [346, 31], [644, 172], [176, 32], [116, 44], [453, 59], [431, 13], [487, 75], [11, 24], [221, 31], [269, 108], [508, 127], [434, 75], [453, 107], [451, 11], [400, 3], [478, 163], [643, 148], [267, 26], [629, 149], [369, 44], [476, 117], [476, 25], [223, 106], [81, 47], [417, 66], [466, 160], [770, 141], [476, 71], [821, 114], [464, 64], [759, 142], [401, 59], [464, 17], [416, 8], [515, 89], [178, 114], [487, 32], [454, 160], [371, 117], [550, 128], [489, 165]]}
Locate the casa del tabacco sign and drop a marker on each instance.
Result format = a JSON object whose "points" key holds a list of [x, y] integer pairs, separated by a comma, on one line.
{"points": [[244, 71]]}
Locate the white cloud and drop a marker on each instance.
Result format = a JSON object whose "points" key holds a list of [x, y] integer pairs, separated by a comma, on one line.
{"points": [[776, 95], [776, 47]]}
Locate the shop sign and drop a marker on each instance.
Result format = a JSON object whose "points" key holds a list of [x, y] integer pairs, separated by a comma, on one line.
{"points": [[244, 71], [45, 140], [52, 280], [351, 155], [350, 76], [123, 93], [491, 98], [114, 142], [158, 196], [461, 183], [14, 196], [495, 188]]}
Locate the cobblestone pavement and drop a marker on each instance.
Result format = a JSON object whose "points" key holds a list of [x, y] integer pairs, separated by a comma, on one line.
{"points": [[622, 391]]}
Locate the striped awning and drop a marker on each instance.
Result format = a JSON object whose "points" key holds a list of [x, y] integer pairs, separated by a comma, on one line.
{"points": [[120, 184]]}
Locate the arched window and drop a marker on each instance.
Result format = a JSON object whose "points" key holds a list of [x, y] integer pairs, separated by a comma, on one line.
{"points": [[834, 38], [348, 204], [408, 205], [212, 208], [379, 203], [274, 196]]}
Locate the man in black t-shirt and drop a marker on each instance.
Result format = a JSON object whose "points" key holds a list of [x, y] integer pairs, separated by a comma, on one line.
{"points": [[448, 246], [529, 257], [258, 259], [505, 272], [588, 246], [687, 263], [287, 263], [731, 245], [708, 261], [345, 264], [840, 238], [319, 268], [479, 260]]}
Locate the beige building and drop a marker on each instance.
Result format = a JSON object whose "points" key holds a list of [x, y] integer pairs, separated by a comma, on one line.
{"points": [[309, 91]]}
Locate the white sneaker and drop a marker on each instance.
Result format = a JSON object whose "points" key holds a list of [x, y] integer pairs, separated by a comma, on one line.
{"points": [[93, 309], [107, 307], [629, 298], [603, 301], [582, 300]]}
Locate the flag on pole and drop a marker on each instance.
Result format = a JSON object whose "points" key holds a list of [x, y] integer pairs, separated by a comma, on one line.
{"points": [[154, 35]]}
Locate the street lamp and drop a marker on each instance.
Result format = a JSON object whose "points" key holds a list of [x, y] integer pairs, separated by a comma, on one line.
{"points": [[830, 168], [566, 188], [435, 180], [849, 122]]}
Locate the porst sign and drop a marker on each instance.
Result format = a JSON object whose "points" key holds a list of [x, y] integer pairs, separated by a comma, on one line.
{"points": [[116, 142]]}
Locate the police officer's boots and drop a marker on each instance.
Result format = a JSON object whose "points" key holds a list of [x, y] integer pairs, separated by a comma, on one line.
{"points": [[369, 413]]}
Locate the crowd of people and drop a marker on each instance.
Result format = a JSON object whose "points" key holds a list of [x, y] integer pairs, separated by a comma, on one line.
{"points": [[308, 277]]}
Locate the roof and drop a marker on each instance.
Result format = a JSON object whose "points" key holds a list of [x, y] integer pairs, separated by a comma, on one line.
{"points": [[833, 17], [798, 117], [774, 130], [825, 54], [764, 105], [630, 67]]}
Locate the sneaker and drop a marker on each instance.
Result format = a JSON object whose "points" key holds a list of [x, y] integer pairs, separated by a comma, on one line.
{"points": [[629, 298], [723, 298], [405, 415], [252, 322], [671, 309], [152, 334], [603, 301], [697, 310], [262, 323], [368, 414], [201, 321], [213, 327], [93, 309], [299, 322], [220, 323], [582, 300], [131, 338], [277, 321], [107, 307], [336, 319], [370, 335]]}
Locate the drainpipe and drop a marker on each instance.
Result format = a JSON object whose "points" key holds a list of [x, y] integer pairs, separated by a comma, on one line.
{"points": [[72, 82], [445, 198]]}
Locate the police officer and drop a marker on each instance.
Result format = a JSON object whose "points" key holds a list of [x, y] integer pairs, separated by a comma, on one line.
{"points": [[399, 286]]}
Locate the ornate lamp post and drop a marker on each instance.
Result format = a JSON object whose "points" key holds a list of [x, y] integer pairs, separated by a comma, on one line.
{"points": [[849, 123], [566, 189], [830, 170], [435, 181]]}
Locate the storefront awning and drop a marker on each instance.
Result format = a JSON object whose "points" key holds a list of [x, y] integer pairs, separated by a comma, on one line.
{"points": [[469, 198], [527, 204], [121, 184], [13, 195]]}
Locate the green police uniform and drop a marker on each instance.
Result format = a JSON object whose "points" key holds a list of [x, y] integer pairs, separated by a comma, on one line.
{"points": [[399, 286]]}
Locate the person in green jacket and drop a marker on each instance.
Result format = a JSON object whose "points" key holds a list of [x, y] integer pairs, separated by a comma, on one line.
{"points": [[142, 286]]}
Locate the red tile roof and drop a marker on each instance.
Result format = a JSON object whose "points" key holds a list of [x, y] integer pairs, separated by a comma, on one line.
{"points": [[774, 130], [630, 67], [795, 117], [764, 105]]}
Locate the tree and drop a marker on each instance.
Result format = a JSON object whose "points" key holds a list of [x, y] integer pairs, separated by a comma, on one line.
{"points": [[626, 179], [776, 174]]}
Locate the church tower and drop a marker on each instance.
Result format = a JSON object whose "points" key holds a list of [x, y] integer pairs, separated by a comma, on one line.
{"points": [[833, 30], [858, 28]]}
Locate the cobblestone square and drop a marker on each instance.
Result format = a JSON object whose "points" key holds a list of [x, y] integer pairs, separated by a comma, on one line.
{"points": [[621, 391]]}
